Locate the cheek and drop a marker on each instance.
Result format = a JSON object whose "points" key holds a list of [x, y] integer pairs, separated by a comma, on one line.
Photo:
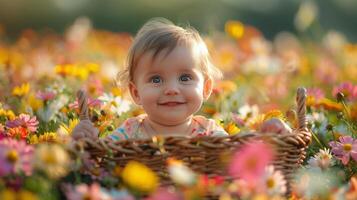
{"points": [[148, 94], [194, 92]]}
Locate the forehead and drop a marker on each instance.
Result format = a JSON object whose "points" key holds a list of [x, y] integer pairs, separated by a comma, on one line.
{"points": [[179, 56]]}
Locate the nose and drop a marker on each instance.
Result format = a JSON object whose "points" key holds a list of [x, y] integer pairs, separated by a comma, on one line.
{"points": [[171, 89]]}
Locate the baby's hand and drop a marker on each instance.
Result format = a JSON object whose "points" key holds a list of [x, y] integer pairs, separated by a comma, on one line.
{"points": [[275, 125], [85, 127]]}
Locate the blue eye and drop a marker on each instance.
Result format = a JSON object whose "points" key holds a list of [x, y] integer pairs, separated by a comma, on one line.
{"points": [[155, 79], [185, 77]]}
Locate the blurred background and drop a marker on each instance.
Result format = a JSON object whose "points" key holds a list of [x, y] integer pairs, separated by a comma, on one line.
{"points": [[308, 18]]}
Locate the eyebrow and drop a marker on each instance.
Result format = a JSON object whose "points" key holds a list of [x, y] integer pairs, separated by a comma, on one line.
{"points": [[151, 73]]}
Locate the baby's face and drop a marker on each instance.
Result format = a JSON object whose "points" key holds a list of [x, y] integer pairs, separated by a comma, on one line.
{"points": [[170, 88]]}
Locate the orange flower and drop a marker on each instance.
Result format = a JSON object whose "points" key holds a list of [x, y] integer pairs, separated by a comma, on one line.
{"points": [[18, 132], [329, 105], [209, 109], [352, 192], [231, 128], [226, 86]]}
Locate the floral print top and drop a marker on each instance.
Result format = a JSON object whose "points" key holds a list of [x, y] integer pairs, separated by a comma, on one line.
{"points": [[133, 128]]}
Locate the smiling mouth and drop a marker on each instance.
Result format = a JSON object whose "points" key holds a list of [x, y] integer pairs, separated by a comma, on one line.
{"points": [[171, 103]]}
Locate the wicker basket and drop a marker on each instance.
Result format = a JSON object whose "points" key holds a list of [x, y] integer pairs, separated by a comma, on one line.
{"points": [[202, 154]]}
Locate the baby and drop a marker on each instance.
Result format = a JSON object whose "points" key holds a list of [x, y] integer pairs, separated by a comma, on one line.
{"points": [[169, 74]]}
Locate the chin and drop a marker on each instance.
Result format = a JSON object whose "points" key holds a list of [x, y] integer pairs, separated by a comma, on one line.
{"points": [[171, 121]]}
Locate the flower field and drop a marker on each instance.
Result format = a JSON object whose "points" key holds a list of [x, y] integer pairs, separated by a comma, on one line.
{"points": [[40, 73]]}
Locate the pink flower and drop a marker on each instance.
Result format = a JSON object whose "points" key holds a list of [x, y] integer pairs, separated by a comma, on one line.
{"points": [[84, 191], [2, 132], [249, 162], [46, 95], [344, 149], [238, 120], [317, 93], [348, 89], [25, 121], [15, 156], [91, 103], [165, 194]]}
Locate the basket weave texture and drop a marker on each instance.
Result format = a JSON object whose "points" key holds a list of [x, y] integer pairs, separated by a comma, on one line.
{"points": [[203, 154]]}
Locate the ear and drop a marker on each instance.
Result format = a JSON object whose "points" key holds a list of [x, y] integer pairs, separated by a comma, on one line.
{"points": [[207, 88], [134, 93]]}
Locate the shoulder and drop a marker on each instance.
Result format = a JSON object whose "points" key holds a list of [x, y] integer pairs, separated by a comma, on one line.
{"points": [[210, 126], [128, 129]]}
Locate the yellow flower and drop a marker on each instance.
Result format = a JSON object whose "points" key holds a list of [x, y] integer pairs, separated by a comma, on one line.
{"points": [[52, 159], [7, 113], [9, 194], [81, 73], [92, 67], [48, 137], [310, 100], [139, 177], [234, 28], [116, 91], [33, 139], [34, 102], [231, 128], [274, 114], [21, 90], [67, 130]]}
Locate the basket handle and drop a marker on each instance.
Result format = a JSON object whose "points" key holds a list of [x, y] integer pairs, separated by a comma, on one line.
{"points": [[82, 105], [301, 109]]}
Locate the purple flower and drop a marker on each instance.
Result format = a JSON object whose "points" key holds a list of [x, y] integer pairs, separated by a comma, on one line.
{"points": [[25, 121], [346, 148], [15, 156]]}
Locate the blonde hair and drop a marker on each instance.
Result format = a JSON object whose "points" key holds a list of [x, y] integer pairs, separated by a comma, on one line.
{"points": [[160, 34]]}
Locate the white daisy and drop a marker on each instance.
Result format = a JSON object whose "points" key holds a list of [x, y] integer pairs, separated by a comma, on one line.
{"points": [[117, 104], [323, 159], [273, 182]]}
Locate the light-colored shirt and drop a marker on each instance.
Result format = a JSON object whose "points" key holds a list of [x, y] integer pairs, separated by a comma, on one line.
{"points": [[133, 128]]}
